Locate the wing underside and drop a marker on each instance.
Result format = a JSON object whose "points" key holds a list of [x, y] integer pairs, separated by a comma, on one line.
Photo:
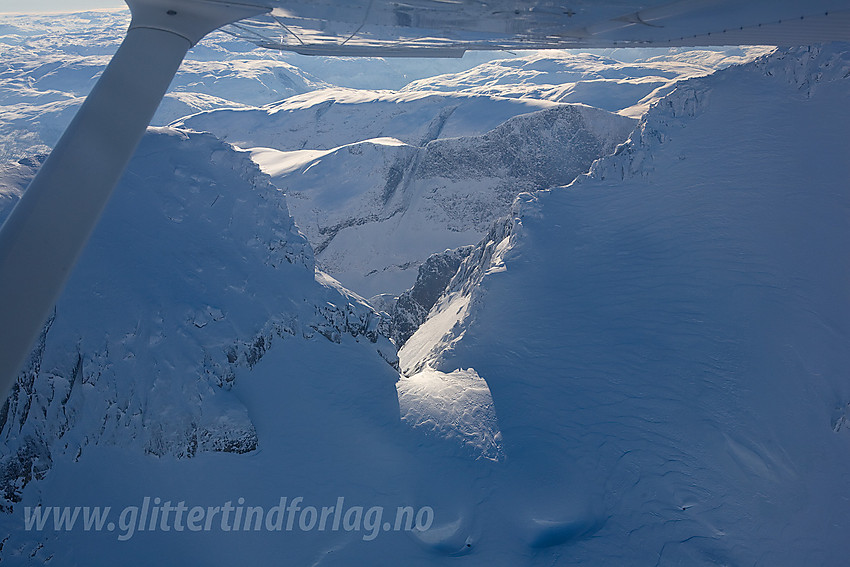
{"points": [[450, 27]]}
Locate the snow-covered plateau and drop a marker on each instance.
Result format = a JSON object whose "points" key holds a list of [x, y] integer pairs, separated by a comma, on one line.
{"points": [[606, 315]]}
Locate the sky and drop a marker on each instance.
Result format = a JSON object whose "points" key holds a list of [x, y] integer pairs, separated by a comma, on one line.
{"points": [[33, 6]]}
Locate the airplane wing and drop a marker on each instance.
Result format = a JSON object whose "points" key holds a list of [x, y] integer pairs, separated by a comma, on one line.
{"points": [[450, 27]]}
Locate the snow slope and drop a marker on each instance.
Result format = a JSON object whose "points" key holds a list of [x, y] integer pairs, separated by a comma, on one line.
{"points": [[665, 340]]}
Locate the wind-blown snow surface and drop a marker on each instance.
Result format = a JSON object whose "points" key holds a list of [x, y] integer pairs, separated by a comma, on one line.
{"points": [[666, 340]]}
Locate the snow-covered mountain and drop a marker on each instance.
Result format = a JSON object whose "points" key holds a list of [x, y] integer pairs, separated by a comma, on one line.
{"points": [[194, 273], [628, 88], [438, 171], [377, 184], [665, 340]]}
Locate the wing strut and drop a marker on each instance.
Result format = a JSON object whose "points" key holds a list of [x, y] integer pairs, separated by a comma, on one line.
{"points": [[48, 228]]}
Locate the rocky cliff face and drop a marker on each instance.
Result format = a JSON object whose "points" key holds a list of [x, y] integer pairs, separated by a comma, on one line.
{"points": [[410, 309]]}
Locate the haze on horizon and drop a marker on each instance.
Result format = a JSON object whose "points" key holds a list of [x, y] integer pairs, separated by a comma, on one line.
{"points": [[43, 6]]}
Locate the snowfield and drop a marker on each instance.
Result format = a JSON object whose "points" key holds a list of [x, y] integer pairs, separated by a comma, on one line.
{"points": [[557, 334], [665, 340]]}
